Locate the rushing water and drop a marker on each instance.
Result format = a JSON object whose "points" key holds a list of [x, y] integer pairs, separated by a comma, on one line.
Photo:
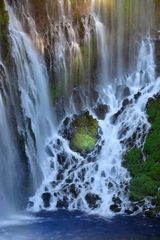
{"points": [[103, 176], [101, 47], [37, 121]]}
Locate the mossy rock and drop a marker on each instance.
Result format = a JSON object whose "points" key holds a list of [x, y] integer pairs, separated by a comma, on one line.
{"points": [[85, 133], [82, 131], [146, 172]]}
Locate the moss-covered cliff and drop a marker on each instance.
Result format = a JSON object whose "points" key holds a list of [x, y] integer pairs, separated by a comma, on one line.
{"points": [[144, 165]]}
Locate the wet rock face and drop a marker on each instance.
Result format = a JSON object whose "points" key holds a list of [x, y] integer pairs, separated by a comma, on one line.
{"points": [[46, 199], [116, 206], [62, 203], [92, 200], [101, 110], [83, 133], [157, 56]]}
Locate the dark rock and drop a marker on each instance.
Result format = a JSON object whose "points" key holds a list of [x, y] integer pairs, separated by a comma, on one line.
{"points": [[92, 200], [110, 185], [69, 180], [66, 121], [60, 175], [125, 102], [46, 199], [153, 202], [61, 158], [101, 110], [116, 200], [128, 211], [74, 190], [53, 184], [115, 208], [157, 56], [135, 208], [62, 203], [137, 95], [150, 213], [122, 91]]}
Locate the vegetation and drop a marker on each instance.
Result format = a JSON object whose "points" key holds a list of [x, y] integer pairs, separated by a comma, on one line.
{"points": [[3, 21], [4, 42], [146, 173], [85, 133]]}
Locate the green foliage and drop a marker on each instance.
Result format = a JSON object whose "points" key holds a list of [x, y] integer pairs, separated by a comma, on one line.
{"points": [[133, 162], [146, 173], [85, 133], [142, 186]]}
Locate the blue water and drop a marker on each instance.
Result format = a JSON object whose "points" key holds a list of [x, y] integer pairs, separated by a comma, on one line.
{"points": [[63, 225]]}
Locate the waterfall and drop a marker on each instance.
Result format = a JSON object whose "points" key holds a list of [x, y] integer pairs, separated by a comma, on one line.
{"points": [[9, 159], [80, 55], [34, 122], [33, 86], [105, 177]]}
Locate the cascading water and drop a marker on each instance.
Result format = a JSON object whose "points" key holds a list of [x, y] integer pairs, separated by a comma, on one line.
{"points": [[104, 178], [9, 159], [32, 79], [103, 51], [34, 121]]}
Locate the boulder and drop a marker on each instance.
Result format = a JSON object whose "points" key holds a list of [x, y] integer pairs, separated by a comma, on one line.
{"points": [[115, 208], [92, 200], [62, 203], [101, 110], [46, 196], [83, 133]]}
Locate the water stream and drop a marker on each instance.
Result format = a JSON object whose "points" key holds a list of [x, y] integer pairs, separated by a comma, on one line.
{"points": [[101, 47]]}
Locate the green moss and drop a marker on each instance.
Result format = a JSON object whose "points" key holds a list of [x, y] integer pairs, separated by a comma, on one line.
{"points": [[146, 173], [4, 42], [3, 20], [142, 186], [133, 162], [83, 141], [85, 133]]}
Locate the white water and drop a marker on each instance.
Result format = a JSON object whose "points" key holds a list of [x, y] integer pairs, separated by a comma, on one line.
{"points": [[104, 175], [33, 87], [8, 160]]}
